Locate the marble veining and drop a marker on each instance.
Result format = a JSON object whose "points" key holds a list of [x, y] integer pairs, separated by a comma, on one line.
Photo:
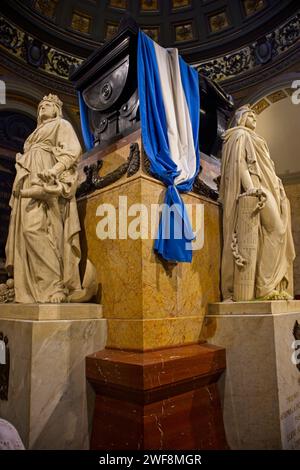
{"points": [[269, 419], [49, 401]]}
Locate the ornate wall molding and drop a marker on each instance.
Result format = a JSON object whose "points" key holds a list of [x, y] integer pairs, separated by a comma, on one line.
{"points": [[12, 64], [255, 55], [203, 29], [33, 52], [259, 56], [259, 75]]}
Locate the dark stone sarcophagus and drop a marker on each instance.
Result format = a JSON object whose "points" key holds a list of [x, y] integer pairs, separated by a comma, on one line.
{"points": [[107, 83]]}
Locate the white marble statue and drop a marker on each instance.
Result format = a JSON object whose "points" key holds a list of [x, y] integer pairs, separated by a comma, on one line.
{"points": [[43, 249], [258, 249]]}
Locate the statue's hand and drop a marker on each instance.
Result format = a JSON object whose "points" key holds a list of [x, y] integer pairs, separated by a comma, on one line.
{"points": [[48, 176], [53, 190], [260, 194], [254, 192]]}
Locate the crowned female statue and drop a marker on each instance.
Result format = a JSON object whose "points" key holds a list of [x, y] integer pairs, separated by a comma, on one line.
{"points": [[258, 249], [43, 249]]}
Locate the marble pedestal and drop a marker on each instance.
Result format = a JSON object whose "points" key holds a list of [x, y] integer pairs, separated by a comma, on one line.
{"points": [[261, 387], [49, 400], [166, 399], [149, 303], [156, 387]]}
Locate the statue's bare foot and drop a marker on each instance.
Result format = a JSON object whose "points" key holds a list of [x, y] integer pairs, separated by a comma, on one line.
{"points": [[58, 298]]}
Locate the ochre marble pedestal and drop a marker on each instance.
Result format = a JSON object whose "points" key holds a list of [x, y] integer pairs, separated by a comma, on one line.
{"points": [[49, 401], [261, 386], [165, 399], [156, 387], [149, 304]]}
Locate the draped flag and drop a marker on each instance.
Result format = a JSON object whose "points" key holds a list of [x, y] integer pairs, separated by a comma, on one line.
{"points": [[86, 133], [169, 108]]}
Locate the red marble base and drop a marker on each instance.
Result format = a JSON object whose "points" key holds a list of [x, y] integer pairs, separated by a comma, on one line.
{"points": [[166, 399]]}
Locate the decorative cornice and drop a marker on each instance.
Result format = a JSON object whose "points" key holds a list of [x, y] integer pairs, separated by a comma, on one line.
{"points": [[260, 75], [251, 63], [29, 50], [37, 76], [253, 57]]}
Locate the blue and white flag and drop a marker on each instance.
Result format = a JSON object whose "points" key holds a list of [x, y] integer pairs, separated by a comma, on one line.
{"points": [[169, 108]]}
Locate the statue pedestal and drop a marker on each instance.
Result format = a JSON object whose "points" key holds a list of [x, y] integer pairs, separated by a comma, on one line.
{"points": [[260, 390], [49, 401], [166, 399]]}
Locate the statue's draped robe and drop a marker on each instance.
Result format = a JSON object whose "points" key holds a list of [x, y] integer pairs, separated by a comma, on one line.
{"points": [[276, 249], [43, 241]]}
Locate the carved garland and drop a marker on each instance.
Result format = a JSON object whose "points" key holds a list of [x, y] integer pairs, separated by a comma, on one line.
{"points": [[95, 181]]}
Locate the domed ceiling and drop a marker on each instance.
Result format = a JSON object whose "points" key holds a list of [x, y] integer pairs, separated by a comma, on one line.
{"points": [[199, 28]]}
